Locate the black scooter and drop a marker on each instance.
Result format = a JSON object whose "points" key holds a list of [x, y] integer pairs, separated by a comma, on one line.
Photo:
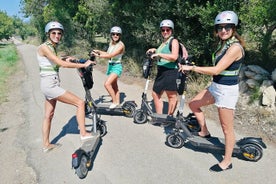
{"points": [[82, 158], [249, 148], [141, 115], [127, 109]]}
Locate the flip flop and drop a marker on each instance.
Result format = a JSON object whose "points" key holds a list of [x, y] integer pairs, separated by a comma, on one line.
{"points": [[51, 147]]}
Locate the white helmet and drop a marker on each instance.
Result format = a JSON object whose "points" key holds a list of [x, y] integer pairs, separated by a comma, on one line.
{"points": [[227, 17], [116, 29], [53, 25], [167, 23]]}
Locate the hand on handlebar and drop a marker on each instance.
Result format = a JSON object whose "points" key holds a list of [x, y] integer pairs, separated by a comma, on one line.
{"points": [[151, 51], [185, 68], [96, 52], [155, 57], [88, 63]]}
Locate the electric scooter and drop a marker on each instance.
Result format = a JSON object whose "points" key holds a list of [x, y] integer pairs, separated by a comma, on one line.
{"points": [[127, 109], [249, 148], [82, 158], [141, 115]]}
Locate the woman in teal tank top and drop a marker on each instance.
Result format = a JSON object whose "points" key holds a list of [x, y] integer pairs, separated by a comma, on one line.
{"points": [[165, 80]]}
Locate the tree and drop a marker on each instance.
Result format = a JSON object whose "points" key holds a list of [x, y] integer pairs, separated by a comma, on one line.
{"points": [[6, 28], [259, 21]]}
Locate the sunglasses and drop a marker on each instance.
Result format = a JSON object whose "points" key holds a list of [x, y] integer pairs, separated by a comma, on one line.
{"points": [[165, 30], [227, 27], [115, 34], [56, 33]]}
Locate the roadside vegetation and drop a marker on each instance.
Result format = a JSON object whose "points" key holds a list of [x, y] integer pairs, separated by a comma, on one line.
{"points": [[8, 58]]}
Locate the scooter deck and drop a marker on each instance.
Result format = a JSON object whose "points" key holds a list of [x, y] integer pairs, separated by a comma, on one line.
{"points": [[105, 110], [91, 144], [162, 118], [213, 142]]}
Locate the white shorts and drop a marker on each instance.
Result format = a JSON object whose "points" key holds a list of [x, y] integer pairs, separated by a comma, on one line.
{"points": [[225, 95], [50, 87]]}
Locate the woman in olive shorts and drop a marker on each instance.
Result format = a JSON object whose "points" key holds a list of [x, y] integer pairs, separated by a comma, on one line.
{"points": [[49, 65]]}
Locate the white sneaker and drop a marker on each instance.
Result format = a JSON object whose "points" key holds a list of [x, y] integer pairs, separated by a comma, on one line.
{"points": [[113, 105], [84, 138]]}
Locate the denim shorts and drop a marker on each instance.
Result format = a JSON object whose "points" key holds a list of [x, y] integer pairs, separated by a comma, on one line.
{"points": [[225, 95], [116, 68], [50, 87]]}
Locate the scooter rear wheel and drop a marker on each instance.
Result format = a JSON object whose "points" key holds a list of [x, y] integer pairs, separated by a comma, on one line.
{"points": [[102, 128], [252, 152], [140, 117], [175, 141], [82, 170], [129, 109]]}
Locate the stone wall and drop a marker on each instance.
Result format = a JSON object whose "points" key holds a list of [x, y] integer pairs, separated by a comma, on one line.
{"points": [[254, 76]]}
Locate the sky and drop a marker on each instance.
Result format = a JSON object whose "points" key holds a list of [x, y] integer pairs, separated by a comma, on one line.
{"points": [[11, 7]]}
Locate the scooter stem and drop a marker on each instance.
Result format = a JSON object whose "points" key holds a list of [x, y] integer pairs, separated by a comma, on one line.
{"points": [[182, 103], [147, 86]]}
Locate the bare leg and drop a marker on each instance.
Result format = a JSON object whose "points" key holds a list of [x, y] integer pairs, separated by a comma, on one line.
{"points": [[227, 123], [49, 107], [201, 99], [172, 99], [72, 99], [116, 91], [158, 102], [112, 87]]}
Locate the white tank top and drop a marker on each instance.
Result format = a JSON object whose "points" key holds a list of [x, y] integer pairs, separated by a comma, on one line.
{"points": [[46, 66]]}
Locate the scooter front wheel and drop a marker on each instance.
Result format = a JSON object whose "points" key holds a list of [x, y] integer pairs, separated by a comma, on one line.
{"points": [[140, 117], [252, 152], [175, 141], [82, 170]]}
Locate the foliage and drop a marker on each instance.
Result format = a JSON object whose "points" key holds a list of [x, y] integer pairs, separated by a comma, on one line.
{"points": [[6, 28], [85, 19], [260, 25], [255, 95]]}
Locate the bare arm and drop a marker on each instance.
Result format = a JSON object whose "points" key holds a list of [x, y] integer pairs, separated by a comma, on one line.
{"points": [[103, 54], [233, 54], [173, 55], [45, 51]]}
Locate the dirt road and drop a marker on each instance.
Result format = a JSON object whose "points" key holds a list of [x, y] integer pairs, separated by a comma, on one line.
{"points": [[129, 154]]}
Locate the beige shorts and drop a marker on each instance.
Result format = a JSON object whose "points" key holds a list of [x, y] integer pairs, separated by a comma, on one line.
{"points": [[50, 87]]}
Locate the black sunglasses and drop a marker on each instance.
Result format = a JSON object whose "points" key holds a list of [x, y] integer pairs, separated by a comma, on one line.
{"points": [[115, 34], [55, 33], [227, 27], [166, 30]]}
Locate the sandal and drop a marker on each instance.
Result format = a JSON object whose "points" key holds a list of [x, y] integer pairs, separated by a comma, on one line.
{"points": [[206, 136], [217, 168], [51, 147]]}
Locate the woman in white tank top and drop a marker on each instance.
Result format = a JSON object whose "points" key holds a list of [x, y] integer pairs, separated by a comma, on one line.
{"points": [[49, 65]]}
